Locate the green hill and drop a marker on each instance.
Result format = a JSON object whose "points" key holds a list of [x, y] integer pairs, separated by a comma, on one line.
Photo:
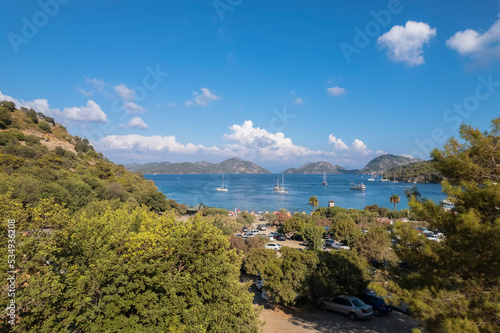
{"points": [[40, 159], [420, 172], [383, 163], [319, 168]]}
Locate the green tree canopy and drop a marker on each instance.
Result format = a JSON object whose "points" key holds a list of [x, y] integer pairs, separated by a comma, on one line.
{"points": [[454, 284], [126, 269]]}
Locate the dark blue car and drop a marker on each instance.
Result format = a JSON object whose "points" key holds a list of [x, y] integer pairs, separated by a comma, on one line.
{"points": [[380, 307]]}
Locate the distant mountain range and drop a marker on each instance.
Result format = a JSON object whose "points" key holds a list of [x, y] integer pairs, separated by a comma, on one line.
{"points": [[236, 165], [318, 168], [383, 163], [231, 166]]}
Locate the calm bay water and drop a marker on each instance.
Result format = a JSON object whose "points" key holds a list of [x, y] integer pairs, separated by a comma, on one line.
{"points": [[255, 192]]}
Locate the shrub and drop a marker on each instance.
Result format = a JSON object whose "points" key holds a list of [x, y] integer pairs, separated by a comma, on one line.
{"points": [[32, 115], [8, 105], [44, 126], [31, 140], [6, 138]]}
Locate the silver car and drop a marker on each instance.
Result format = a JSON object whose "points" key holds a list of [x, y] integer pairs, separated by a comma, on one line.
{"points": [[349, 305]]}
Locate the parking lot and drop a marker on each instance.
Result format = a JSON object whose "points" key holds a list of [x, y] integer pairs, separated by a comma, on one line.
{"points": [[307, 318]]}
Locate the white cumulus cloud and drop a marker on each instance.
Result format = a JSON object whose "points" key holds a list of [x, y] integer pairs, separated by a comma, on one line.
{"points": [[135, 122], [357, 147], [406, 44], [133, 108], [124, 92], [336, 91], [96, 84], [267, 145], [91, 112], [149, 143], [337, 143], [476, 44], [202, 99]]}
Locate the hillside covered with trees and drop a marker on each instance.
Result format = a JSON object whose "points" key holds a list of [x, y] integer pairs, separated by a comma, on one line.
{"points": [[93, 247], [420, 172]]}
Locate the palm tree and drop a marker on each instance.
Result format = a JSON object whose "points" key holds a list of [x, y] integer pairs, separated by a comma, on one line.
{"points": [[313, 201], [394, 199]]}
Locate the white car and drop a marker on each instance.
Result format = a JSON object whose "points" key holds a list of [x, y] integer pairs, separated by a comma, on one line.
{"points": [[339, 246], [434, 238], [273, 246], [262, 227], [271, 238], [334, 245]]}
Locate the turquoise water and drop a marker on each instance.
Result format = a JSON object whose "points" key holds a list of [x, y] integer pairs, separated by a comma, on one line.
{"points": [[255, 192]]}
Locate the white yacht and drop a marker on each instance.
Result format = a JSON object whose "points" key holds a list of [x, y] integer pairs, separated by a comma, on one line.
{"points": [[281, 189], [223, 188]]}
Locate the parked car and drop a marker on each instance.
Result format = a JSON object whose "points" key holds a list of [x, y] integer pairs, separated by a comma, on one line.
{"points": [[380, 307], [281, 237], [298, 238], [238, 235], [434, 238], [262, 227], [349, 305], [331, 243], [273, 246], [271, 238], [244, 229], [401, 306], [274, 234], [252, 232]]}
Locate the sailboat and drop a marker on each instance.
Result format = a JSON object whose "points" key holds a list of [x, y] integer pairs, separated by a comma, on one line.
{"points": [[324, 179], [223, 188], [371, 179], [281, 189], [383, 179], [395, 181], [277, 187]]}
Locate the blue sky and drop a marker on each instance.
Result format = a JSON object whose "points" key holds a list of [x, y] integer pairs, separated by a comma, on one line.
{"points": [[281, 83]]}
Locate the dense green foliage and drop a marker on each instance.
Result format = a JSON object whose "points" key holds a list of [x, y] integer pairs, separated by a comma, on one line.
{"points": [[98, 248], [420, 172], [124, 269], [307, 274], [454, 285]]}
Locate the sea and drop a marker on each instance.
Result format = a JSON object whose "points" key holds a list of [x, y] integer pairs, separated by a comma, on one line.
{"points": [[256, 192]]}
